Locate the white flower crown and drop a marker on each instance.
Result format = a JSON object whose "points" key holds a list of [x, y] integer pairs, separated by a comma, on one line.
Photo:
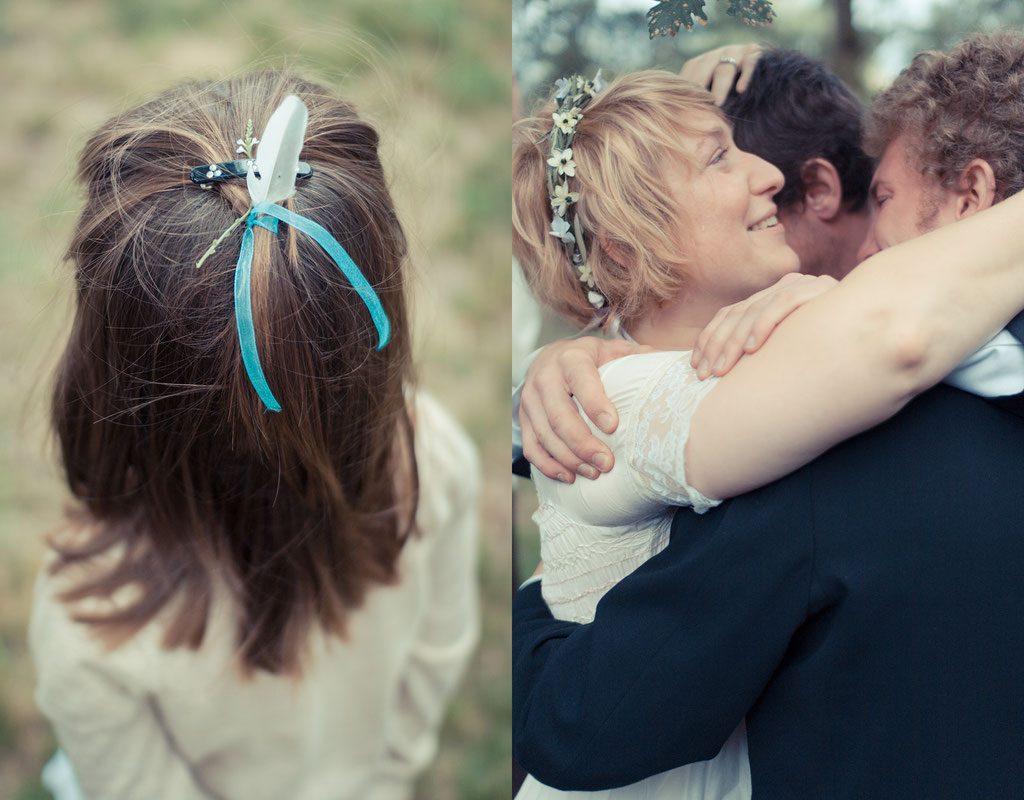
{"points": [[572, 95]]}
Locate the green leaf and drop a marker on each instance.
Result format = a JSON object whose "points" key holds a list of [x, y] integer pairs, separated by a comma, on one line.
{"points": [[668, 16], [752, 12]]}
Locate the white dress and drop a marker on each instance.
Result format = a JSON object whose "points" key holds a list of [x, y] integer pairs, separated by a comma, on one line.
{"points": [[594, 533], [361, 723]]}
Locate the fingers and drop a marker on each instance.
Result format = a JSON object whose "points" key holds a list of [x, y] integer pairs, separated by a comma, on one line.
{"points": [[610, 349], [717, 70], [722, 79], [742, 328], [763, 317], [542, 447], [537, 454], [746, 67], [697, 70], [583, 382], [556, 439], [720, 345], [728, 336], [586, 386]]}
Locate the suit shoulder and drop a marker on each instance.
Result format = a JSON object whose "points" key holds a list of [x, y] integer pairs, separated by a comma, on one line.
{"points": [[944, 446]]}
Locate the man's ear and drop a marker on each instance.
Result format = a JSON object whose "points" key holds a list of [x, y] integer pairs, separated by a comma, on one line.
{"points": [[823, 190], [977, 188]]}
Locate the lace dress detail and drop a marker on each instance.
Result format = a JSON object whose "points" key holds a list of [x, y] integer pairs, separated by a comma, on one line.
{"points": [[662, 429], [594, 533]]}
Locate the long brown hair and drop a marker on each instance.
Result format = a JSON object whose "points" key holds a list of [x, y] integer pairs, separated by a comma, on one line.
{"points": [[184, 480]]}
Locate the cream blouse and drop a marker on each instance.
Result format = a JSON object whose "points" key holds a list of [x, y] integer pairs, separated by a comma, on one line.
{"points": [[144, 722]]}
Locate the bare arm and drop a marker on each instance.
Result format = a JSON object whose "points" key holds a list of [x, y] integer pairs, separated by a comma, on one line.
{"points": [[555, 438], [853, 356]]}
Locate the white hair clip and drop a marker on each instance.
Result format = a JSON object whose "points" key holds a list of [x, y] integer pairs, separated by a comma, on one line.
{"points": [[270, 178]]}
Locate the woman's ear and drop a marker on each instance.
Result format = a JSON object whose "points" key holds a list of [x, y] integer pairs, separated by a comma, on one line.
{"points": [[977, 188], [823, 190], [610, 249]]}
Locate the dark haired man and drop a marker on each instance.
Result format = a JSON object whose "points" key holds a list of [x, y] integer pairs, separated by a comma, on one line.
{"points": [[865, 613], [798, 115]]}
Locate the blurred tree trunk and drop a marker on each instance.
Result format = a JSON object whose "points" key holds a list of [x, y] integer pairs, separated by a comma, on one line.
{"points": [[848, 49]]}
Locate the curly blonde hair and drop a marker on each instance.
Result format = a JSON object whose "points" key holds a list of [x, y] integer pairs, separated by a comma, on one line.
{"points": [[958, 106], [630, 133]]}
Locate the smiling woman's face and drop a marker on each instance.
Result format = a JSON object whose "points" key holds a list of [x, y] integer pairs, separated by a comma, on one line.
{"points": [[738, 246]]}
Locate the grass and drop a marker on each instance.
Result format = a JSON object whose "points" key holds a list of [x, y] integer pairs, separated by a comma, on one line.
{"points": [[432, 76]]}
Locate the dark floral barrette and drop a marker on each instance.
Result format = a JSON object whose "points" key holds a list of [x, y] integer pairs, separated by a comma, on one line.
{"points": [[208, 174]]}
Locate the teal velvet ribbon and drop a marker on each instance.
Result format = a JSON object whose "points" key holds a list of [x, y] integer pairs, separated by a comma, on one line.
{"points": [[267, 215]]}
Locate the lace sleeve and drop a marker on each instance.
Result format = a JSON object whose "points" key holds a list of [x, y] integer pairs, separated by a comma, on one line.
{"points": [[661, 430]]}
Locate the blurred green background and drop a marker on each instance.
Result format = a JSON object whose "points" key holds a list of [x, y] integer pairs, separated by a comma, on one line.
{"points": [[866, 42], [433, 77]]}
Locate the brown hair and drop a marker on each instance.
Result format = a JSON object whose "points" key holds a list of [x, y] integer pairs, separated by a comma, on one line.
{"points": [[958, 106], [628, 135], [184, 481]]}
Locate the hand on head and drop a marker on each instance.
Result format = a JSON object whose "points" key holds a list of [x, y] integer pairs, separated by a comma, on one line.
{"points": [[717, 70]]}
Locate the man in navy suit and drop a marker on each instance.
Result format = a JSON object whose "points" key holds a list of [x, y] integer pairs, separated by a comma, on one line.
{"points": [[864, 614]]}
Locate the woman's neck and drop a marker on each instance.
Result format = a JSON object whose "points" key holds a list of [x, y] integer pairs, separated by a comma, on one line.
{"points": [[674, 325]]}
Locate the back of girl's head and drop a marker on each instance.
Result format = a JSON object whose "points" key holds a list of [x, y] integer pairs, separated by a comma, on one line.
{"points": [[629, 137], [179, 469]]}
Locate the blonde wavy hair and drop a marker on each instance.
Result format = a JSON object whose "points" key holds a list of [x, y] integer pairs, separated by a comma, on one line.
{"points": [[629, 135], [958, 106]]}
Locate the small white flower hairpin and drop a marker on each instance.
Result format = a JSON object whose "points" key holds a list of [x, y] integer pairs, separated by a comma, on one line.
{"points": [[595, 85], [245, 145], [564, 121], [562, 161], [562, 198], [561, 228], [562, 88]]}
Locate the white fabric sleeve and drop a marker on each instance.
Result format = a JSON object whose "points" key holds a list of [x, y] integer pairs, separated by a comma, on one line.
{"points": [[449, 628], [996, 369], [105, 720], [660, 429]]}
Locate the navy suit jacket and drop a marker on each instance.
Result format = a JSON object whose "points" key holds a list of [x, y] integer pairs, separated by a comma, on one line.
{"points": [[865, 614], [1013, 403]]}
